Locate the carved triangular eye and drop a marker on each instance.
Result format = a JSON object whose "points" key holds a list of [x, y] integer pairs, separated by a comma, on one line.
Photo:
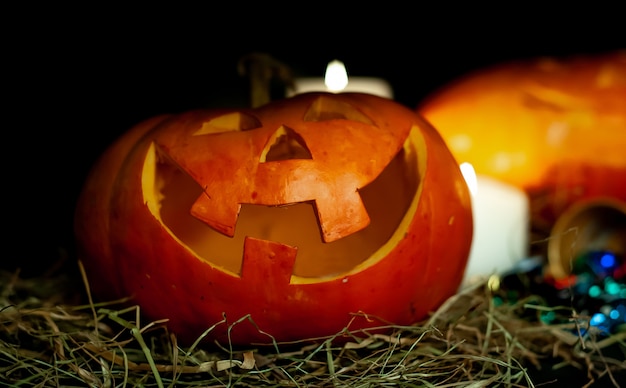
{"points": [[285, 144], [326, 108], [236, 121]]}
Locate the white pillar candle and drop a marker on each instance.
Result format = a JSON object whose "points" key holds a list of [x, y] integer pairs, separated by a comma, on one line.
{"points": [[501, 226], [336, 80]]}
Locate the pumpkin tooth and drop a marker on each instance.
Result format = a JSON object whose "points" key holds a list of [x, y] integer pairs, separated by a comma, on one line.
{"points": [[267, 262], [222, 217], [341, 217]]}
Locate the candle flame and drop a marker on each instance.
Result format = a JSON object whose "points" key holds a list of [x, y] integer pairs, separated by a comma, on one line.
{"points": [[470, 177], [336, 77]]}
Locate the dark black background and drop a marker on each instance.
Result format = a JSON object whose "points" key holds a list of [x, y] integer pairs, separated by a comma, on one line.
{"points": [[75, 78], [79, 77]]}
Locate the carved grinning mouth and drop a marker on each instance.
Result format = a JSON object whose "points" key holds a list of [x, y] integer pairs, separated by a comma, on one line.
{"points": [[297, 224]]}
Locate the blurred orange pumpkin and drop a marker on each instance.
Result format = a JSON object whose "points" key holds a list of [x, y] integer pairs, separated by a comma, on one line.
{"points": [[307, 215], [555, 127]]}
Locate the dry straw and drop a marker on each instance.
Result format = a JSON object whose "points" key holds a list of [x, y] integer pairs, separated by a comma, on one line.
{"points": [[47, 339]]}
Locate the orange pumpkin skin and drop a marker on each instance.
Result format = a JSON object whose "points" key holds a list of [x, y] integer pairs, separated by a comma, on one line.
{"points": [[133, 238], [555, 127]]}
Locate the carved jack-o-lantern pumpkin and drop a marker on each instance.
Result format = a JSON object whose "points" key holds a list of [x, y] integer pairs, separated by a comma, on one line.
{"points": [[555, 127], [304, 214]]}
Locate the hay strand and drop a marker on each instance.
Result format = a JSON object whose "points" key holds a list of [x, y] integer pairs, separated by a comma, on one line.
{"points": [[471, 341]]}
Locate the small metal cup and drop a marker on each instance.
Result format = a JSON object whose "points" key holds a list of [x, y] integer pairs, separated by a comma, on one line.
{"points": [[586, 226]]}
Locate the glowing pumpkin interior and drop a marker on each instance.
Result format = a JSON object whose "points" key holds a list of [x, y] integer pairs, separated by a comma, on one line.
{"points": [[171, 193]]}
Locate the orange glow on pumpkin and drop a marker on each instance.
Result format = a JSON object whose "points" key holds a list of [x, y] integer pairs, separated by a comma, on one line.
{"points": [[555, 127], [301, 213]]}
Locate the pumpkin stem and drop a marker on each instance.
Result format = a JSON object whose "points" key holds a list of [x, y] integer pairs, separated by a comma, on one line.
{"points": [[261, 68]]}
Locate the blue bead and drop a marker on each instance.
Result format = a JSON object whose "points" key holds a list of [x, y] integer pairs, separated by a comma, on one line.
{"points": [[608, 261], [600, 263], [597, 319]]}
